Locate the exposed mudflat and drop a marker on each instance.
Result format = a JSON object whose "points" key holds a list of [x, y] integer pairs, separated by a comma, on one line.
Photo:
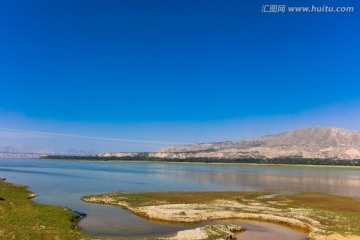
{"points": [[269, 210]]}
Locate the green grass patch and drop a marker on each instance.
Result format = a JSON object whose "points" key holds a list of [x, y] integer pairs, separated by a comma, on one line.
{"points": [[338, 214], [21, 218], [139, 199]]}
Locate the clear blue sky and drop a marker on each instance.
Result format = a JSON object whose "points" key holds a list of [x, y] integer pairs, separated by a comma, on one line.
{"points": [[119, 64]]}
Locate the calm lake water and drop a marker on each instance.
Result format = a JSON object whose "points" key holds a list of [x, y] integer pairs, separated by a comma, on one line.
{"points": [[64, 182]]}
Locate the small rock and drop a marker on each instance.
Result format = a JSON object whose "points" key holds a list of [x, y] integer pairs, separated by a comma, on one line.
{"points": [[235, 229], [32, 196], [230, 236], [75, 227]]}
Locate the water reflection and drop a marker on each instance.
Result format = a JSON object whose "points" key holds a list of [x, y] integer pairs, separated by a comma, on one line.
{"points": [[97, 177], [283, 181], [269, 232]]}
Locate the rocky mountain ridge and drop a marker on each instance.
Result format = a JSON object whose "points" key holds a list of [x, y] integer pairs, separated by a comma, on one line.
{"points": [[314, 142]]}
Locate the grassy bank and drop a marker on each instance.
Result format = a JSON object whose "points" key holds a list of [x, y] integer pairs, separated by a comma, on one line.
{"points": [[141, 199], [21, 218], [319, 213], [337, 214]]}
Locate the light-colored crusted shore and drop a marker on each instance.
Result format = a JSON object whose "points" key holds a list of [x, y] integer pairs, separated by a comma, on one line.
{"points": [[220, 232], [220, 209]]}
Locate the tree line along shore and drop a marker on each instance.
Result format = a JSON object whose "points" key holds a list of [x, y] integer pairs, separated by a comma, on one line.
{"points": [[289, 160]]}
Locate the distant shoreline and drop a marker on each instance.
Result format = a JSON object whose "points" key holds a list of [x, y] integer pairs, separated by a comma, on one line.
{"points": [[251, 161], [273, 165]]}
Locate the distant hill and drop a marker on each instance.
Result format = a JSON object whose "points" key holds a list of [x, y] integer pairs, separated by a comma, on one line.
{"points": [[36, 152], [24, 152], [309, 143]]}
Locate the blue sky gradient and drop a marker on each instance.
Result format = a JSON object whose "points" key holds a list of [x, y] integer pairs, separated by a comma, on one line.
{"points": [[142, 69]]}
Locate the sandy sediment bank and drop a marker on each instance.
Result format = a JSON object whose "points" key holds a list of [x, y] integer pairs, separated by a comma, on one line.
{"points": [[339, 237], [228, 231], [192, 213], [221, 209]]}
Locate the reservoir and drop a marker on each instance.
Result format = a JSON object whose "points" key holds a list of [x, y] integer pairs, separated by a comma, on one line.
{"points": [[62, 183]]}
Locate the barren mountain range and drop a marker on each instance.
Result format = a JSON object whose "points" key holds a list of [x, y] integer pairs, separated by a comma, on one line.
{"points": [[308, 143], [314, 142]]}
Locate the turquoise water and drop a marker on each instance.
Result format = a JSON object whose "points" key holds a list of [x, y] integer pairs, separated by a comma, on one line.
{"points": [[62, 183]]}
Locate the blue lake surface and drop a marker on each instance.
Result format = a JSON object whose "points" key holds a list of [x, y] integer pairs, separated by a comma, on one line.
{"points": [[62, 183]]}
